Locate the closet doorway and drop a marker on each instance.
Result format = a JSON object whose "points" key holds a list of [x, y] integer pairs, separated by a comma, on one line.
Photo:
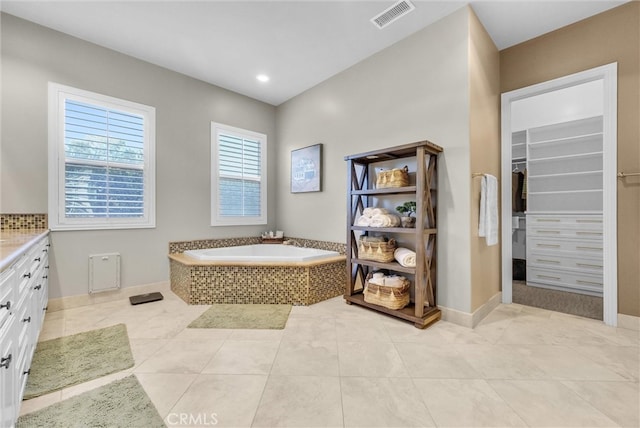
{"points": [[559, 193]]}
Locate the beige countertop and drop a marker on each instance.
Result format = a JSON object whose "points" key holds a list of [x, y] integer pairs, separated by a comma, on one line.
{"points": [[14, 243]]}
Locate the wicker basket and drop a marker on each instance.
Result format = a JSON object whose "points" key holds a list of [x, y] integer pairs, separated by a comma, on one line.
{"points": [[397, 177], [379, 251], [389, 297]]}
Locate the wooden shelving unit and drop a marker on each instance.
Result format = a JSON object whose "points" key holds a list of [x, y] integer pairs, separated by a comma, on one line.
{"points": [[422, 311]]}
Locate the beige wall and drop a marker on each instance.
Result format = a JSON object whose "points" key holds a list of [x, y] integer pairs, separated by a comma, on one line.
{"points": [[484, 145], [416, 89], [613, 36], [33, 55]]}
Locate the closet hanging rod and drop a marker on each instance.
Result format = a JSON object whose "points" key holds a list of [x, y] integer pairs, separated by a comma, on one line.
{"points": [[627, 174]]}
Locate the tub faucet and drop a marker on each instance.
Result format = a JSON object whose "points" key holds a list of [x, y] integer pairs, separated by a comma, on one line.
{"points": [[296, 243]]}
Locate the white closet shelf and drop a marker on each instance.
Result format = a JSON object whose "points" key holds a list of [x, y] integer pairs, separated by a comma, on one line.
{"points": [[564, 174], [555, 192], [566, 139], [579, 155]]}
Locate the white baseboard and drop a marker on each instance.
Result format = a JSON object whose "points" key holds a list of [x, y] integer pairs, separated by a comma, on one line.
{"points": [[484, 310], [69, 302], [629, 321], [455, 316], [470, 320]]}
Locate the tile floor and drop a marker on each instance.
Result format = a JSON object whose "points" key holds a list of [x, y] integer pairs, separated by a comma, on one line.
{"points": [[336, 365]]}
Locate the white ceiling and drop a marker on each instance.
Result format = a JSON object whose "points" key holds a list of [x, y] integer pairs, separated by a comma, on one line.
{"points": [[297, 43]]}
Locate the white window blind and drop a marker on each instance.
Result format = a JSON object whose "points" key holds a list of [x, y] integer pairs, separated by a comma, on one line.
{"points": [[104, 161], [238, 176]]}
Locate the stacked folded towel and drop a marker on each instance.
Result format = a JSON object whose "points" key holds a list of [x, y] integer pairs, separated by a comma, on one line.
{"points": [[394, 281], [377, 217], [405, 257]]}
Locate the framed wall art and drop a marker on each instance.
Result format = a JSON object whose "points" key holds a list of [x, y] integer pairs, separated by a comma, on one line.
{"points": [[306, 169]]}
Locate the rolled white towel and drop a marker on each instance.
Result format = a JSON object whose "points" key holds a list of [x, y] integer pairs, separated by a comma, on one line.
{"points": [[394, 281], [376, 281], [378, 211], [385, 220], [368, 212], [363, 221], [405, 257]]}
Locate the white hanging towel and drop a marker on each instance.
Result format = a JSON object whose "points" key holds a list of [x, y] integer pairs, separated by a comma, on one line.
{"points": [[488, 227]]}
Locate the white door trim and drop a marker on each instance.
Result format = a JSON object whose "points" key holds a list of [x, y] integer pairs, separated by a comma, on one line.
{"points": [[608, 73]]}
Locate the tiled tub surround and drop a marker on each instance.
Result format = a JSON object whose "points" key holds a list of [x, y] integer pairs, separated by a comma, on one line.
{"points": [[203, 282]]}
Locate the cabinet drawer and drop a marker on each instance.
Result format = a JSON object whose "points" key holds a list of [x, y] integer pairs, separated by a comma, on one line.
{"points": [[557, 232], [7, 296], [589, 248], [583, 222], [575, 264], [566, 279]]}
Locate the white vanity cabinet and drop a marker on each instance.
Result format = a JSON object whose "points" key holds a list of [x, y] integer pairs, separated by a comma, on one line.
{"points": [[8, 355], [23, 301]]}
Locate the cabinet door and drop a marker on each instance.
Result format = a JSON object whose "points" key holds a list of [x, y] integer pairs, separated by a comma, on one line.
{"points": [[8, 389]]}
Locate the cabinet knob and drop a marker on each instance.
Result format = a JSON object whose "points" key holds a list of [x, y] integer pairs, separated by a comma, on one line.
{"points": [[45, 276], [27, 275], [37, 287], [6, 305], [37, 259], [28, 319], [45, 250], [5, 361], [27, 372]]}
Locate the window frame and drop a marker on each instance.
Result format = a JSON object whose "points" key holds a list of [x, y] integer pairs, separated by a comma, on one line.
{"points": [[58, 220], [216, 218]]}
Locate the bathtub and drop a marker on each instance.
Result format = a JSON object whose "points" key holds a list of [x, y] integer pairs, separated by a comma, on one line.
{"points": [[257, 274], [275, 253]]}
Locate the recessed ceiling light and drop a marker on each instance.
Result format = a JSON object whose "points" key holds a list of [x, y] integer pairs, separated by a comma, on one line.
{"points": [[262, 77]]}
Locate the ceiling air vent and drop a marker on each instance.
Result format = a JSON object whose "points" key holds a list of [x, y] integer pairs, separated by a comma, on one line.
{"points": [[392, 13]]}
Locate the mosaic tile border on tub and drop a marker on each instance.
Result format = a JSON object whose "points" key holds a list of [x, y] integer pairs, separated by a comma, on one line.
{"points": [[23, 221]]}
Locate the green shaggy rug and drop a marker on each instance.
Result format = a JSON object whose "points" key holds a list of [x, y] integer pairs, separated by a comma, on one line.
{"points": [[70, 360], [244, 316], [122, 403]]}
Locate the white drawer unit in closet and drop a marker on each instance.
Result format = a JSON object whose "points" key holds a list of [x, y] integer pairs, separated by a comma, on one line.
{"points": [[565, 251]]}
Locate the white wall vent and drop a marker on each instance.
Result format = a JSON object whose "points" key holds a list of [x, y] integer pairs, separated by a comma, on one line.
{"points": [[104, 272], [392, 13]]}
